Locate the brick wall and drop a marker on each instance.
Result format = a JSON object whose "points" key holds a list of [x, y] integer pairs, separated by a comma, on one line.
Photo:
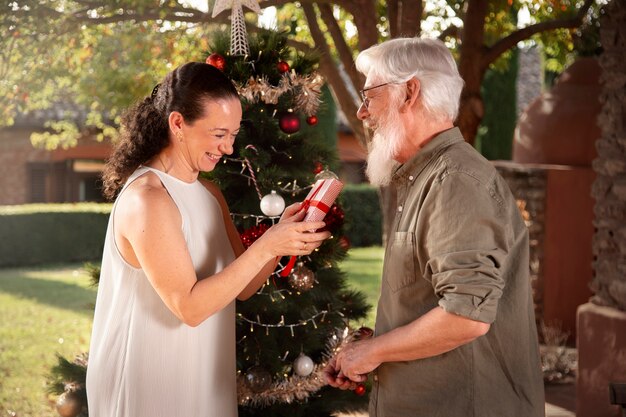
{"points": [[16, 152]]}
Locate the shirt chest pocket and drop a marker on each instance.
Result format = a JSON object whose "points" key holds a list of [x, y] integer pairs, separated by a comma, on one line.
{"points": [[400, 264]]}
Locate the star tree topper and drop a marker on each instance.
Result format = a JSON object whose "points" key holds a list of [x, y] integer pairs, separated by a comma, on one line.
{"points": [[239, 35]]}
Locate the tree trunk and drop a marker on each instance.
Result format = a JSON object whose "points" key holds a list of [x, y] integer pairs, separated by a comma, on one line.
{"points": [[470, 113], [472, 69]]}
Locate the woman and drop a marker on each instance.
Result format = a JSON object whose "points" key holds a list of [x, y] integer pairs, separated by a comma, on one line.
{"points": [[163, 340]]}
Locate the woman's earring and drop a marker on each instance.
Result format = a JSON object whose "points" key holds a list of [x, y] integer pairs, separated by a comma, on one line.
{"points": [[179, 136]]}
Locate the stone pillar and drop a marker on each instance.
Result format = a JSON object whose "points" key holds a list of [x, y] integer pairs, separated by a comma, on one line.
{"points": [[529, 77], [602, 322]]}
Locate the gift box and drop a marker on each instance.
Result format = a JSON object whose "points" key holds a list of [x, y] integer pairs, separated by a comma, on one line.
{"points": [[317, 203], [321, 197]]}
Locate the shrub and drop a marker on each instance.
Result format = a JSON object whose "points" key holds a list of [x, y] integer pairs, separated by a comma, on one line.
{"points": [[52, 233], [363, 215]]}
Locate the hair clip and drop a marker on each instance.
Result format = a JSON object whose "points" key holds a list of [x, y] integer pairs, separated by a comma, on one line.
{"points": [[155, 90]]}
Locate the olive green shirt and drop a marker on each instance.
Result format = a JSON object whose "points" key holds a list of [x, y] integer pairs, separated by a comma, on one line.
{"points": [[458, 242]]}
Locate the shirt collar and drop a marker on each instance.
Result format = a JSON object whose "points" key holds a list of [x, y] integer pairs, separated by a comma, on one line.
{"points": [[414, 166]]}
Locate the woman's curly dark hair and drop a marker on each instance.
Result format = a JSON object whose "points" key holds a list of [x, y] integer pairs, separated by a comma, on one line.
{"points": [[144, 130]]}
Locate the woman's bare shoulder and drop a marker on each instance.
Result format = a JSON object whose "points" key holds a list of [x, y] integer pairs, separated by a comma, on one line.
{"points": [[147, 198]]}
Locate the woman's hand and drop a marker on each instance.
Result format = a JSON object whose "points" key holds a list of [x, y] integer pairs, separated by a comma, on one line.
{"points": [[292, 236], [293, 213]]}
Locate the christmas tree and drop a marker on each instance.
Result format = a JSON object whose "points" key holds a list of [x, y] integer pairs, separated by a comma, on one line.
{"points": [[301, 316], [285, 332]]}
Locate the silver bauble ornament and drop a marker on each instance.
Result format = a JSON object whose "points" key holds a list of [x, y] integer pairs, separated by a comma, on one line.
{"points": [[272, 204], [301, 278], [303, 365], [258, 379], [68, 405], [326, 174]]}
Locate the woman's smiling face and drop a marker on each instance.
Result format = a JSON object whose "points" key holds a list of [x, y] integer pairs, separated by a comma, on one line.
{"points": [[212, 135]]}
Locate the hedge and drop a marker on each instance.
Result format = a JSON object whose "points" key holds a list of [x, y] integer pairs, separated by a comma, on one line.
{"points": [[35, 234], [52, 233], [363, 215]]}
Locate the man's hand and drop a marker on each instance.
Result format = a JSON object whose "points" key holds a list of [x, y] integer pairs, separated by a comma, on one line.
{"points": [[351, 365]]}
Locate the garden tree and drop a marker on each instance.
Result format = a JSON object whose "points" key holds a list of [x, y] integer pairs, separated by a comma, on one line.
{"points": [[48, 44]]}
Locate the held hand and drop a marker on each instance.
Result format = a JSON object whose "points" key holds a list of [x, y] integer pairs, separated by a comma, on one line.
{"points": [[351, 365], [336, 378], [293, 213], [292, 238]]}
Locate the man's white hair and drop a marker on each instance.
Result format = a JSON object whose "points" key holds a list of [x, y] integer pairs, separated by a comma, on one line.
{"points": [[428, 60]]}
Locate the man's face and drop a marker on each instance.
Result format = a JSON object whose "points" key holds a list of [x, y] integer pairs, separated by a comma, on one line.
{"points": [[379, 112]]}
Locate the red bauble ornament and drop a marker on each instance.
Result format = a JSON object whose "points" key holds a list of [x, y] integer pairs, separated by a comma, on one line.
{"points": [[364, 333], [289, 123], [334, 218], [318, 167], [360, 389], [249, 236], [283, 67], [217, 61], [312, 120], [344, 242]]}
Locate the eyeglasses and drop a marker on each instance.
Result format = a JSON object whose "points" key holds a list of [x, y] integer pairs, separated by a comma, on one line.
{"points": [[365, 100]]}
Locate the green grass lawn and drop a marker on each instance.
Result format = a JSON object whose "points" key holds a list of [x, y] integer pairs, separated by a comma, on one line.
{"points": [[42, 312], [48, 310], [364, 267]]}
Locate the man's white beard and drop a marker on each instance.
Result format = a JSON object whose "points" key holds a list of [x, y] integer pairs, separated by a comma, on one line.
{"points": [[383, 147]]}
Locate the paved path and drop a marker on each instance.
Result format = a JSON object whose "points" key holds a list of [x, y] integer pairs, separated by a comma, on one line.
{"points": [[560, 402]]}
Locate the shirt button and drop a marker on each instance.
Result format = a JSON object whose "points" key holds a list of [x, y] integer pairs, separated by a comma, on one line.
{"points": [[376, 378], [411, 177], [400, 209]]}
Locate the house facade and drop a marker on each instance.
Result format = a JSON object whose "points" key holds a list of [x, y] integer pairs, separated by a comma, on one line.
{"points": [[32, 175]]}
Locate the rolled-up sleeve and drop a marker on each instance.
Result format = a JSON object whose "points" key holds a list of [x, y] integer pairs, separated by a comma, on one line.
{"points": [[464, 243]]}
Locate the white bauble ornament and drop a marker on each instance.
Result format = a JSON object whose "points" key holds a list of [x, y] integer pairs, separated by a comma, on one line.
{"points": [[272, 204], [303, 365]]}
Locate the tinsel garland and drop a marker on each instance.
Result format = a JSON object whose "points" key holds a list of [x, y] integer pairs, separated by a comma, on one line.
{"points": [[295, 387], [306, 88]]}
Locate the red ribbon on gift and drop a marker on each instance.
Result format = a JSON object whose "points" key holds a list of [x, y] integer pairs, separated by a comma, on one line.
{"points": [[285, 272], [319, 205]]}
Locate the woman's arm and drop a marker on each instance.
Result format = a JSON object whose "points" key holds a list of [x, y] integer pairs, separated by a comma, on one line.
{"points": [[148, 226], [238, 248]]}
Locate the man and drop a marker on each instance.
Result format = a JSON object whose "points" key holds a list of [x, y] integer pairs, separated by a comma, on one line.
{"points": [[455, 328]]}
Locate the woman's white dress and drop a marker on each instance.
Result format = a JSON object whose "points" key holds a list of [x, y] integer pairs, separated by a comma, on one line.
{"points": [[143, 361]]}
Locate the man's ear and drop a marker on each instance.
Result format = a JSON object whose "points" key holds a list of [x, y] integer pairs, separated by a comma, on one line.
{"points": [[412, 93]]}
